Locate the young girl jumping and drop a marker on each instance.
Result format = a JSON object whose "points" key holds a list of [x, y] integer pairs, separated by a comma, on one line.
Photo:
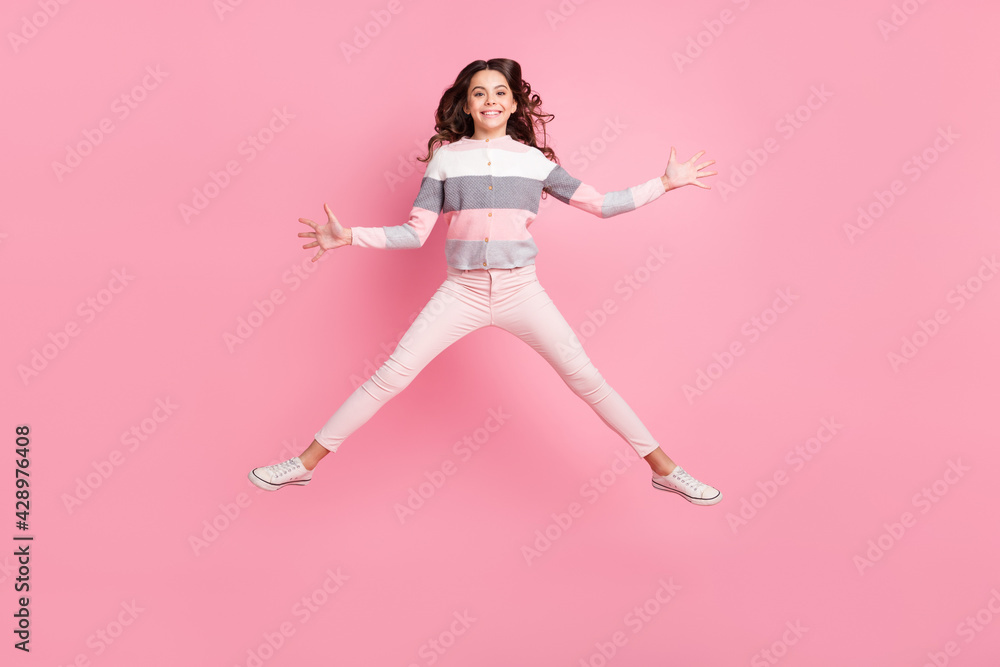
{"points": [[487, 182]]}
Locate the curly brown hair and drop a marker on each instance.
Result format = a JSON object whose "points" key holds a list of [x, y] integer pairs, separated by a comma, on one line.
{"points": [[451, 123]]}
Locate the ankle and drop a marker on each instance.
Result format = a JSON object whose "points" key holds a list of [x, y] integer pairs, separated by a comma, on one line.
{"points": [[663, 470]]}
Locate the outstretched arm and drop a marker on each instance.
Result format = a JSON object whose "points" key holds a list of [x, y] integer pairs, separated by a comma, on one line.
{"points": [[572, 191], [410, 234]]}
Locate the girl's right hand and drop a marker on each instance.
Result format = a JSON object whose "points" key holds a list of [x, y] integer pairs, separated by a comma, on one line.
{"points": [[327, 237]]}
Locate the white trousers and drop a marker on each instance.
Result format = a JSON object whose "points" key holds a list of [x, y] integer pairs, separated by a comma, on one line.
{"points": [[513, 300]]}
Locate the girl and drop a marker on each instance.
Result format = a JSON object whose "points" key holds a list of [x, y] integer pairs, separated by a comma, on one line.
{"points": [[487, 182]]}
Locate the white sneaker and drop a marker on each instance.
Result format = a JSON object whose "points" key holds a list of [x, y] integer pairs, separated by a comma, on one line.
{"points": [[286, 473], [680, 482]]}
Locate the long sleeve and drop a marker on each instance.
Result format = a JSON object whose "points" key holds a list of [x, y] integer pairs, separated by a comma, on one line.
{"points": [[412, 233], [574, 192]]}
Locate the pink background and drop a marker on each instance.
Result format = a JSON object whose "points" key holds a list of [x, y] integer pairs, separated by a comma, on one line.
{"points": [[783, 583]]}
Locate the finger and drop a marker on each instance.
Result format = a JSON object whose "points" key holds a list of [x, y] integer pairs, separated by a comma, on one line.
{"points": [[306, 235], [706, 164], [694, 158], [311, 245], [308, 222], [708, 173], [329, 213]]}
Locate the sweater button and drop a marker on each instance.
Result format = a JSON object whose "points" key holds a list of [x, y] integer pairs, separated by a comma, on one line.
{"points": [[491, 187], [484, 263], [489, 163], [490, 214], [487, 238]]}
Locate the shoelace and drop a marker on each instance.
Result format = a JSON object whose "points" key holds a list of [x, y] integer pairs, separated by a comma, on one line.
{"points": [[283, 468], [683, 477]]}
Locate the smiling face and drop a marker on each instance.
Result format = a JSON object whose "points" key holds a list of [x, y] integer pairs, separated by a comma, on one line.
{"points": [[490, 103]]}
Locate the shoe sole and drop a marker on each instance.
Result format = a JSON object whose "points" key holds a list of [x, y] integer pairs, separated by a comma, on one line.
{"points": [[694, 501], [268, 486]]}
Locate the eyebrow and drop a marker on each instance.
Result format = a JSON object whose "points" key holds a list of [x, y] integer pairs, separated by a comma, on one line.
{"points": [[499, 85]]}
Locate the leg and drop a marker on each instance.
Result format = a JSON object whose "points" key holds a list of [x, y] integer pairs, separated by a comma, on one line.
{"points": [[313, 454], [659, 462], [525, 310], [449, 315], [453, 311]]}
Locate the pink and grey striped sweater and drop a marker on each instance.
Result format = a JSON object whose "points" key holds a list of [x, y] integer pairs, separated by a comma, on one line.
{"points": [[488, 191]]}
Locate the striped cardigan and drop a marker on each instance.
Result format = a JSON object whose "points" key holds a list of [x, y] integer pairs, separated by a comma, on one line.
{"points": [[488, 191]]}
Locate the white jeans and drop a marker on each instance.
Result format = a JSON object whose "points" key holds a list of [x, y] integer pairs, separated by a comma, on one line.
{"points": [[513, 300]]}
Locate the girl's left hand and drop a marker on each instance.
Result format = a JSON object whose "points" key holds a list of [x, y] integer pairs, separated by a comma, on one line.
{"points": [[685, 173]]}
